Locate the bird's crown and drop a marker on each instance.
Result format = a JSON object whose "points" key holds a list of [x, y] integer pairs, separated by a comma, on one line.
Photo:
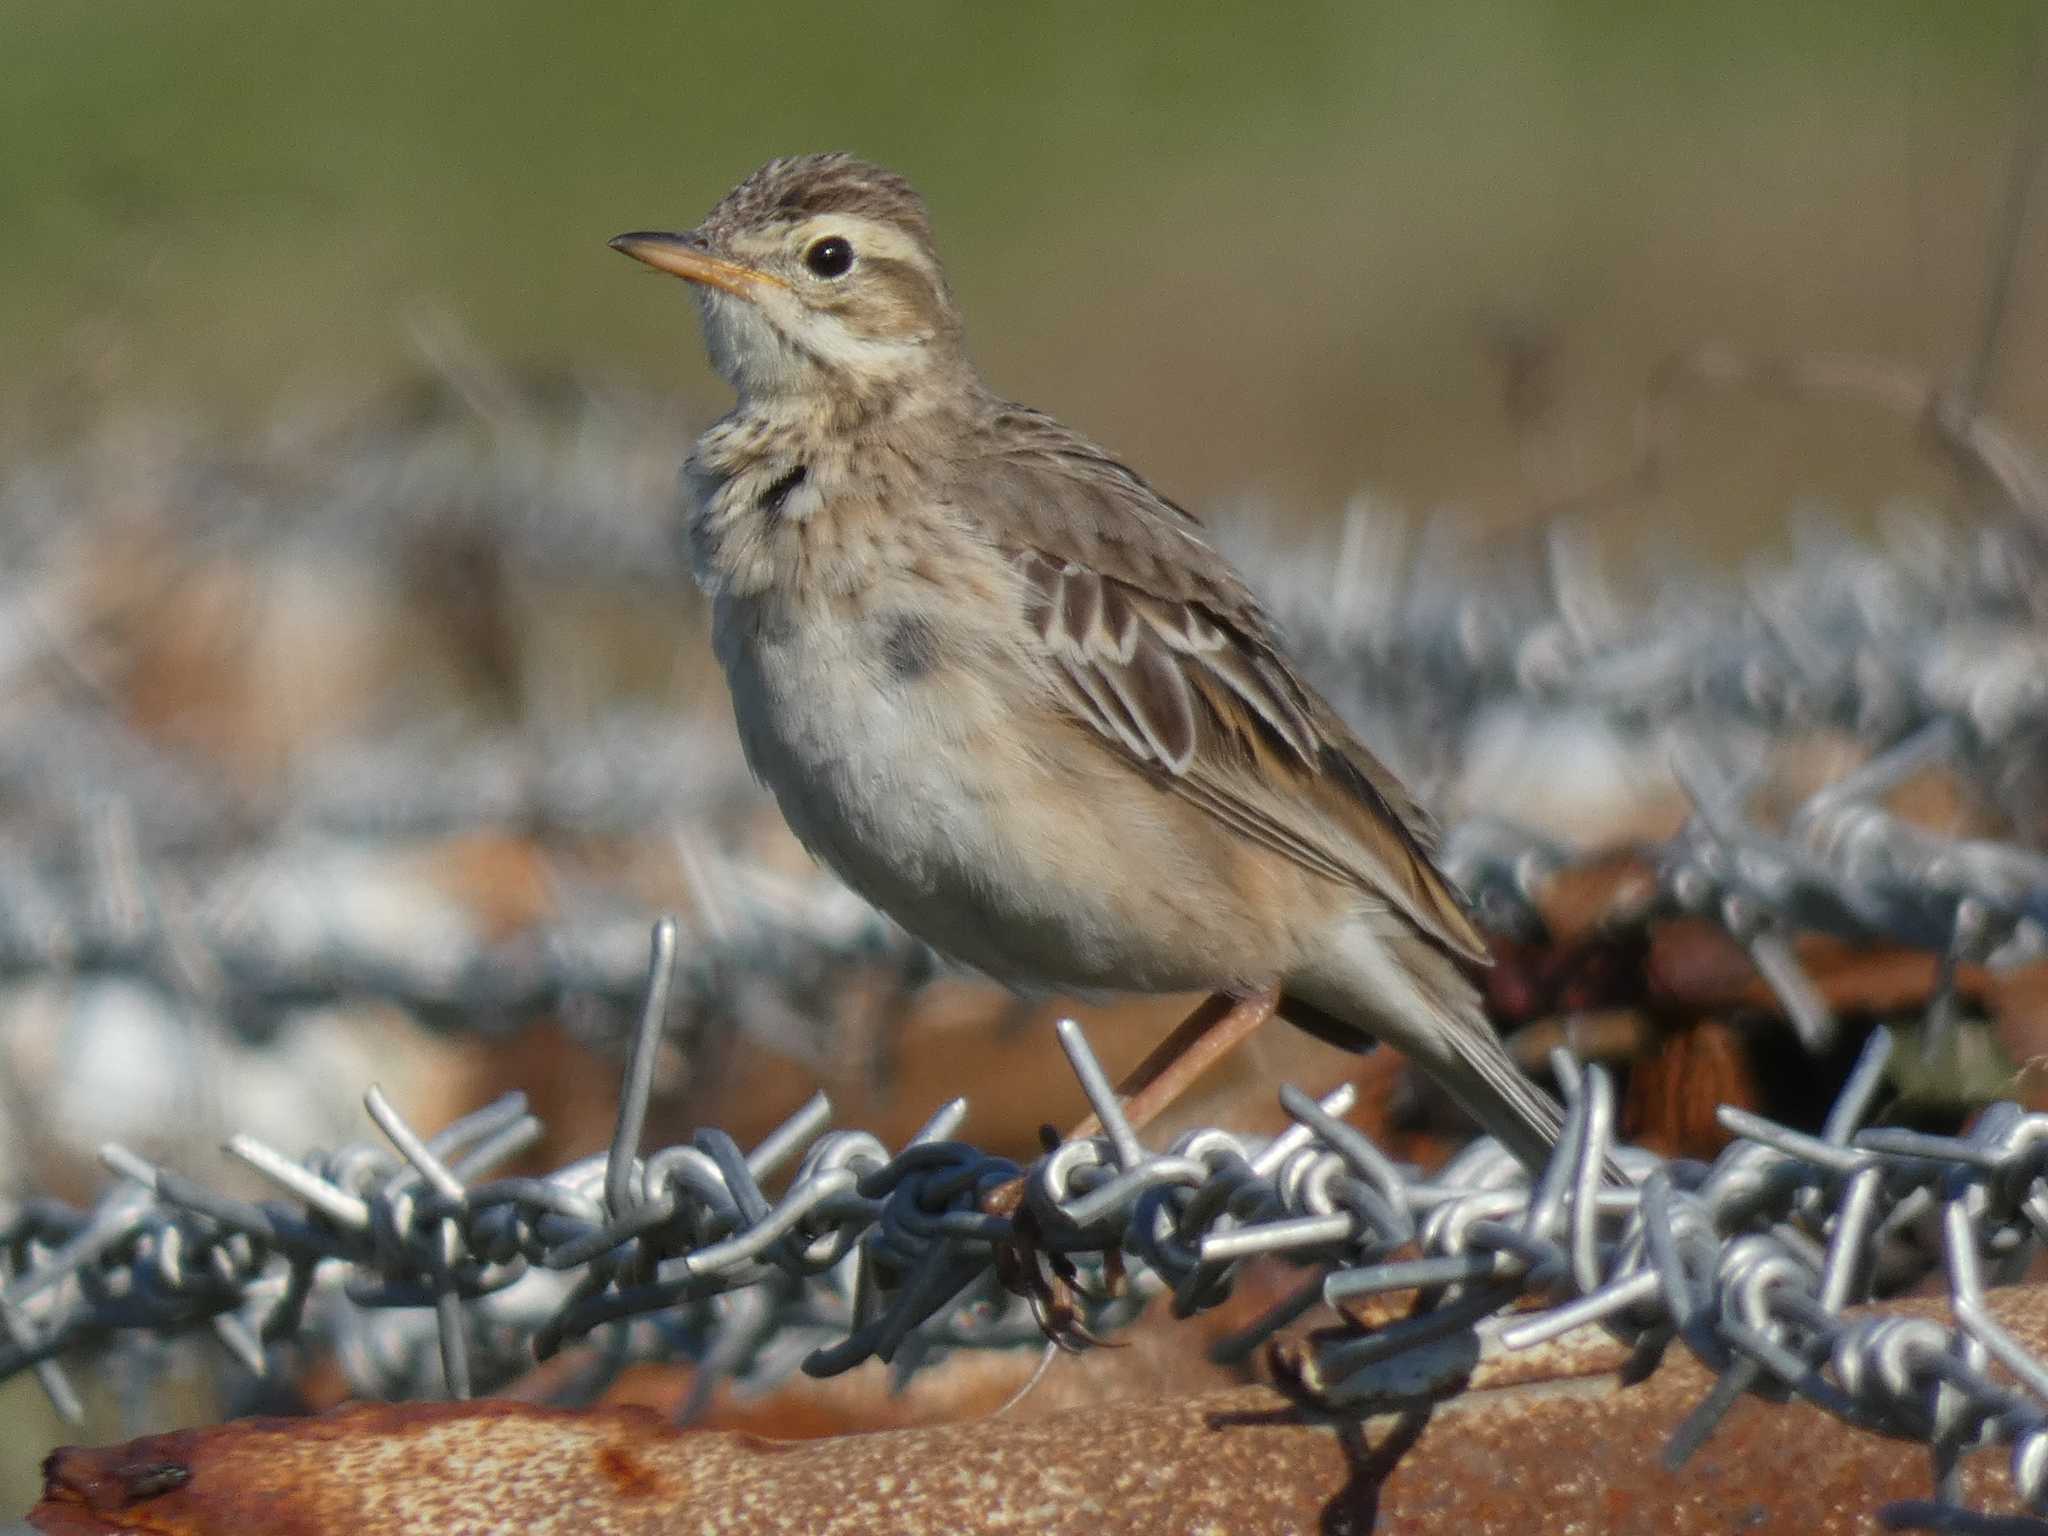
{"points": [[799, 187]]}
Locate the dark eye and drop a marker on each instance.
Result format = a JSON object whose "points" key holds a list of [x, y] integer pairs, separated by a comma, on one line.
{"points": [[830, 257]]}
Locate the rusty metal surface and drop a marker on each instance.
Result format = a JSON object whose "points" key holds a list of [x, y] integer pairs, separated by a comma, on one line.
{"points": [[1573, 1452]]}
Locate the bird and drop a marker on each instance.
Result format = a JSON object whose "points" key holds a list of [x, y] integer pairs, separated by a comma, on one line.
{"points": [[1012, 694]]}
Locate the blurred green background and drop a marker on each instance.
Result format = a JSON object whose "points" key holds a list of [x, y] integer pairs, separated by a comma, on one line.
{"points": [[1286, 253]]}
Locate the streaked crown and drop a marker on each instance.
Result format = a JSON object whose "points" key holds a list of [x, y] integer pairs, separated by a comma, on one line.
{"points": [[800, 187]]}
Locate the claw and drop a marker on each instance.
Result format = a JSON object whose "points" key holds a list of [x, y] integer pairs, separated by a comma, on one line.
{"points": [[1047, 1279]]}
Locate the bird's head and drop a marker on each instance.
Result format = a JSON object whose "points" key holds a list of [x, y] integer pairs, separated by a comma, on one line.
{"points": [[816, 276]]}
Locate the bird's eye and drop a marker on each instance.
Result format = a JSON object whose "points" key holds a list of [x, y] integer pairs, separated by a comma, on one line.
{"points": [[830, 257]]}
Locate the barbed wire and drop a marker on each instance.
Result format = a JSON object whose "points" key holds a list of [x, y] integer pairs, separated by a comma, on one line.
{"points": [[1934, 650], [274, 929], [424, 1273], [1749, 1263], [1941, 624], [1940, 638]]}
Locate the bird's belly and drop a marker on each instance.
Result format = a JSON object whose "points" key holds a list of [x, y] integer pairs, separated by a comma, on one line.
{"points": [[920, 786]]}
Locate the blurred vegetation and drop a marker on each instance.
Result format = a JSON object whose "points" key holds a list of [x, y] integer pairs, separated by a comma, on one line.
{"points": [[1275, 250]]}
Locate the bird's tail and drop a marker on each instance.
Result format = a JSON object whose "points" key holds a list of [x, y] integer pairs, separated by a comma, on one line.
{"points": [[1393, 984]]}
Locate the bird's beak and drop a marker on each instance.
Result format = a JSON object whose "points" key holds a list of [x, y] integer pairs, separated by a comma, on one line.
{"points": [[684, 256]]}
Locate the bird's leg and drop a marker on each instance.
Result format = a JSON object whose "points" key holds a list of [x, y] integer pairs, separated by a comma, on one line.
{"points": [[1222, 1022], [1219, 1025]]}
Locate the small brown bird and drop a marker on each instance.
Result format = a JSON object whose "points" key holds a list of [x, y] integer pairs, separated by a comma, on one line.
{"points": [[1008, 691]]}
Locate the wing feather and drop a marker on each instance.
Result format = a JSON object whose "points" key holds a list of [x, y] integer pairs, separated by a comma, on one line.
{"points": [[1158, 646]]}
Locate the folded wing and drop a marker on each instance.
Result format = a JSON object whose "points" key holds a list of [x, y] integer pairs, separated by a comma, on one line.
{"points": [[1157, 645]]}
